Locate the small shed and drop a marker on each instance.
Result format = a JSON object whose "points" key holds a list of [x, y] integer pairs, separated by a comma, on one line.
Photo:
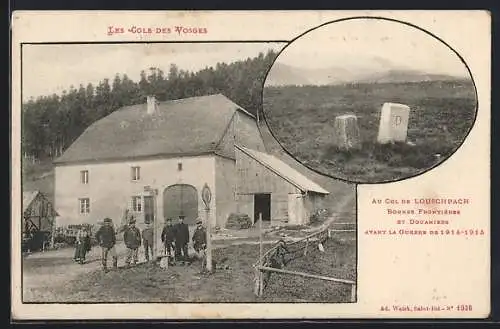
{"points": [[269, 187], [38, 220]]}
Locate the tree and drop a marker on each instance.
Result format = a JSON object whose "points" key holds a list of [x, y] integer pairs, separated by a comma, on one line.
{"points": [[102, 99]]}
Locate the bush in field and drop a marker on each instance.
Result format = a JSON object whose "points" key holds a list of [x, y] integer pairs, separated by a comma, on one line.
{"points": [[238, 221], [62, 239], [319, 216], [418, 156]]}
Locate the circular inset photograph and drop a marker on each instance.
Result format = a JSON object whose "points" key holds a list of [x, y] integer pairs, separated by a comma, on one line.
{"points": [[369, 100]]}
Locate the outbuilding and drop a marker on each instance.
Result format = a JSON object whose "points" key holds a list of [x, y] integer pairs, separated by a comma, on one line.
{"points": [[37, 221]]}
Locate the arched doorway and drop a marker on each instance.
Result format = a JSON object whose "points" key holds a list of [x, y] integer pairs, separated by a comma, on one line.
{"points": [[180, 200]]}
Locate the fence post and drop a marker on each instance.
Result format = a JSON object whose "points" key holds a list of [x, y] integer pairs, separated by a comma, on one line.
{"points": [[257, 282], [208, 256], [307, 244], [261, 283], [353, 293], [53, 232]]}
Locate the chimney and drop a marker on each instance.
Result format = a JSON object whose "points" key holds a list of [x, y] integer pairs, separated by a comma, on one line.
{"points": [[151, 100]]}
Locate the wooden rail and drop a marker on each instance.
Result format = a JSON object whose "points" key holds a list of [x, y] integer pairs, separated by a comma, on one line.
{"points": [[306, 275], [260, 265]]}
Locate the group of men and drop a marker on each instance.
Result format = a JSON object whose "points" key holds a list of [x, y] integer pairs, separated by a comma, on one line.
{"points": [[175, 238]]}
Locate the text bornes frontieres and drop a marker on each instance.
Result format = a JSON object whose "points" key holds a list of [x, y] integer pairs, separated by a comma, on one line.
{"points": [[423, 211]]}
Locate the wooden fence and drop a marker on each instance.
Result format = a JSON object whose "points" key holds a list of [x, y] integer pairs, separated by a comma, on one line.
{"points": [[272, 260]]}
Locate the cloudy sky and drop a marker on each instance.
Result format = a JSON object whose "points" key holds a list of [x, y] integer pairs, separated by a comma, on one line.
{"points": [[51, 69], [365, 42]]}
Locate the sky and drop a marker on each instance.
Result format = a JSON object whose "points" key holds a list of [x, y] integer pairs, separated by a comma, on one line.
{"points": [[376, 43], [49, 69]]}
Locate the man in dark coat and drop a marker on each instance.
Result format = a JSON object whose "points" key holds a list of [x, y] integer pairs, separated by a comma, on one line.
{"points": [[147, 240], [200, 242], [181, 239], [168, 237], [132, 239], [199, 237], [106, 238]]}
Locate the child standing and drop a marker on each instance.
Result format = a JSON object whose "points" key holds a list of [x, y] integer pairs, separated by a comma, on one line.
{"points": [[80, 247]]}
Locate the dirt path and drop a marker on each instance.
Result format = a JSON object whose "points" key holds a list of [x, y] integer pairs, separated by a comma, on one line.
{"points": [[45, 270]]}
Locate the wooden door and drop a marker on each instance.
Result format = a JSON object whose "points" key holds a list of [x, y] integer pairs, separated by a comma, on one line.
{"points": [[295, 209], [180, 200]]}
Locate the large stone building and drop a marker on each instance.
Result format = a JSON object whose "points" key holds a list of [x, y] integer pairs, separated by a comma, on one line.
{"points": [[154, 159]]}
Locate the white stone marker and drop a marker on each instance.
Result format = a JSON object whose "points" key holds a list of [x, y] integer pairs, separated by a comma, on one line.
{"points": [[346, 132], [393, 123]]}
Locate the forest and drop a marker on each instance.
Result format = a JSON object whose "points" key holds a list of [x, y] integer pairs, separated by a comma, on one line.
{"points": [[51, 123]]}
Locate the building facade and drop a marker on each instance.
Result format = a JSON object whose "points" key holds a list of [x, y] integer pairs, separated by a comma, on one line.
{"points": [[155, 158]]}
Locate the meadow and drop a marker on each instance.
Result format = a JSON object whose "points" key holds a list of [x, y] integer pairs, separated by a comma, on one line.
{"points": [[302, 117]]}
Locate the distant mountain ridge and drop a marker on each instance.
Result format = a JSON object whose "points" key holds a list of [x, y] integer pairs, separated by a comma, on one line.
{"points": [[284, 74]]}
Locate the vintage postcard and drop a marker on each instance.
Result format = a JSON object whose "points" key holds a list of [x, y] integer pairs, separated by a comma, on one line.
{"points": [[250, 164]]}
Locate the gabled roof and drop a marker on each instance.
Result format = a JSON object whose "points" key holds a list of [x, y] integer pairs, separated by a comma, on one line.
{"points": [[282, 169], [28, 197], [189, 126]]}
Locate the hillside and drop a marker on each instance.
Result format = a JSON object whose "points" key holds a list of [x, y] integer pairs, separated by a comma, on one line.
{"points": [[302, 119], [378, 72]]}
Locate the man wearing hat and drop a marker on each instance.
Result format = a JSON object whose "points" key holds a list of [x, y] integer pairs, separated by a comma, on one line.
{"points": [[106, 238], [132, 239], [181, 239], [147, 240], [168, 237], [200, 238]]}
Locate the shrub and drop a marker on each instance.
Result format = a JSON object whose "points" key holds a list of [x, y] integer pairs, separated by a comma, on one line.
{"points": [[238, 221], [295, 227], [319, 216], [419, 156], [64, 240]]}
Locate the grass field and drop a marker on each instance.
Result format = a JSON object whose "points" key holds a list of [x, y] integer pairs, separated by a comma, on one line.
{"points": [[149, 283], [301, 118]]}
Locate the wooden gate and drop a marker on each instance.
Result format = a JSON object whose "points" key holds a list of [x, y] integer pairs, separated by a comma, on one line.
{"points": [[180, 200]]}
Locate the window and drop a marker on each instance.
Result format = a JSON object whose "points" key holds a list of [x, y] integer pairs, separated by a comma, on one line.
{"points": [[179, 166], [84, 206], [84, 176], [136, 173], [136, 203]]}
